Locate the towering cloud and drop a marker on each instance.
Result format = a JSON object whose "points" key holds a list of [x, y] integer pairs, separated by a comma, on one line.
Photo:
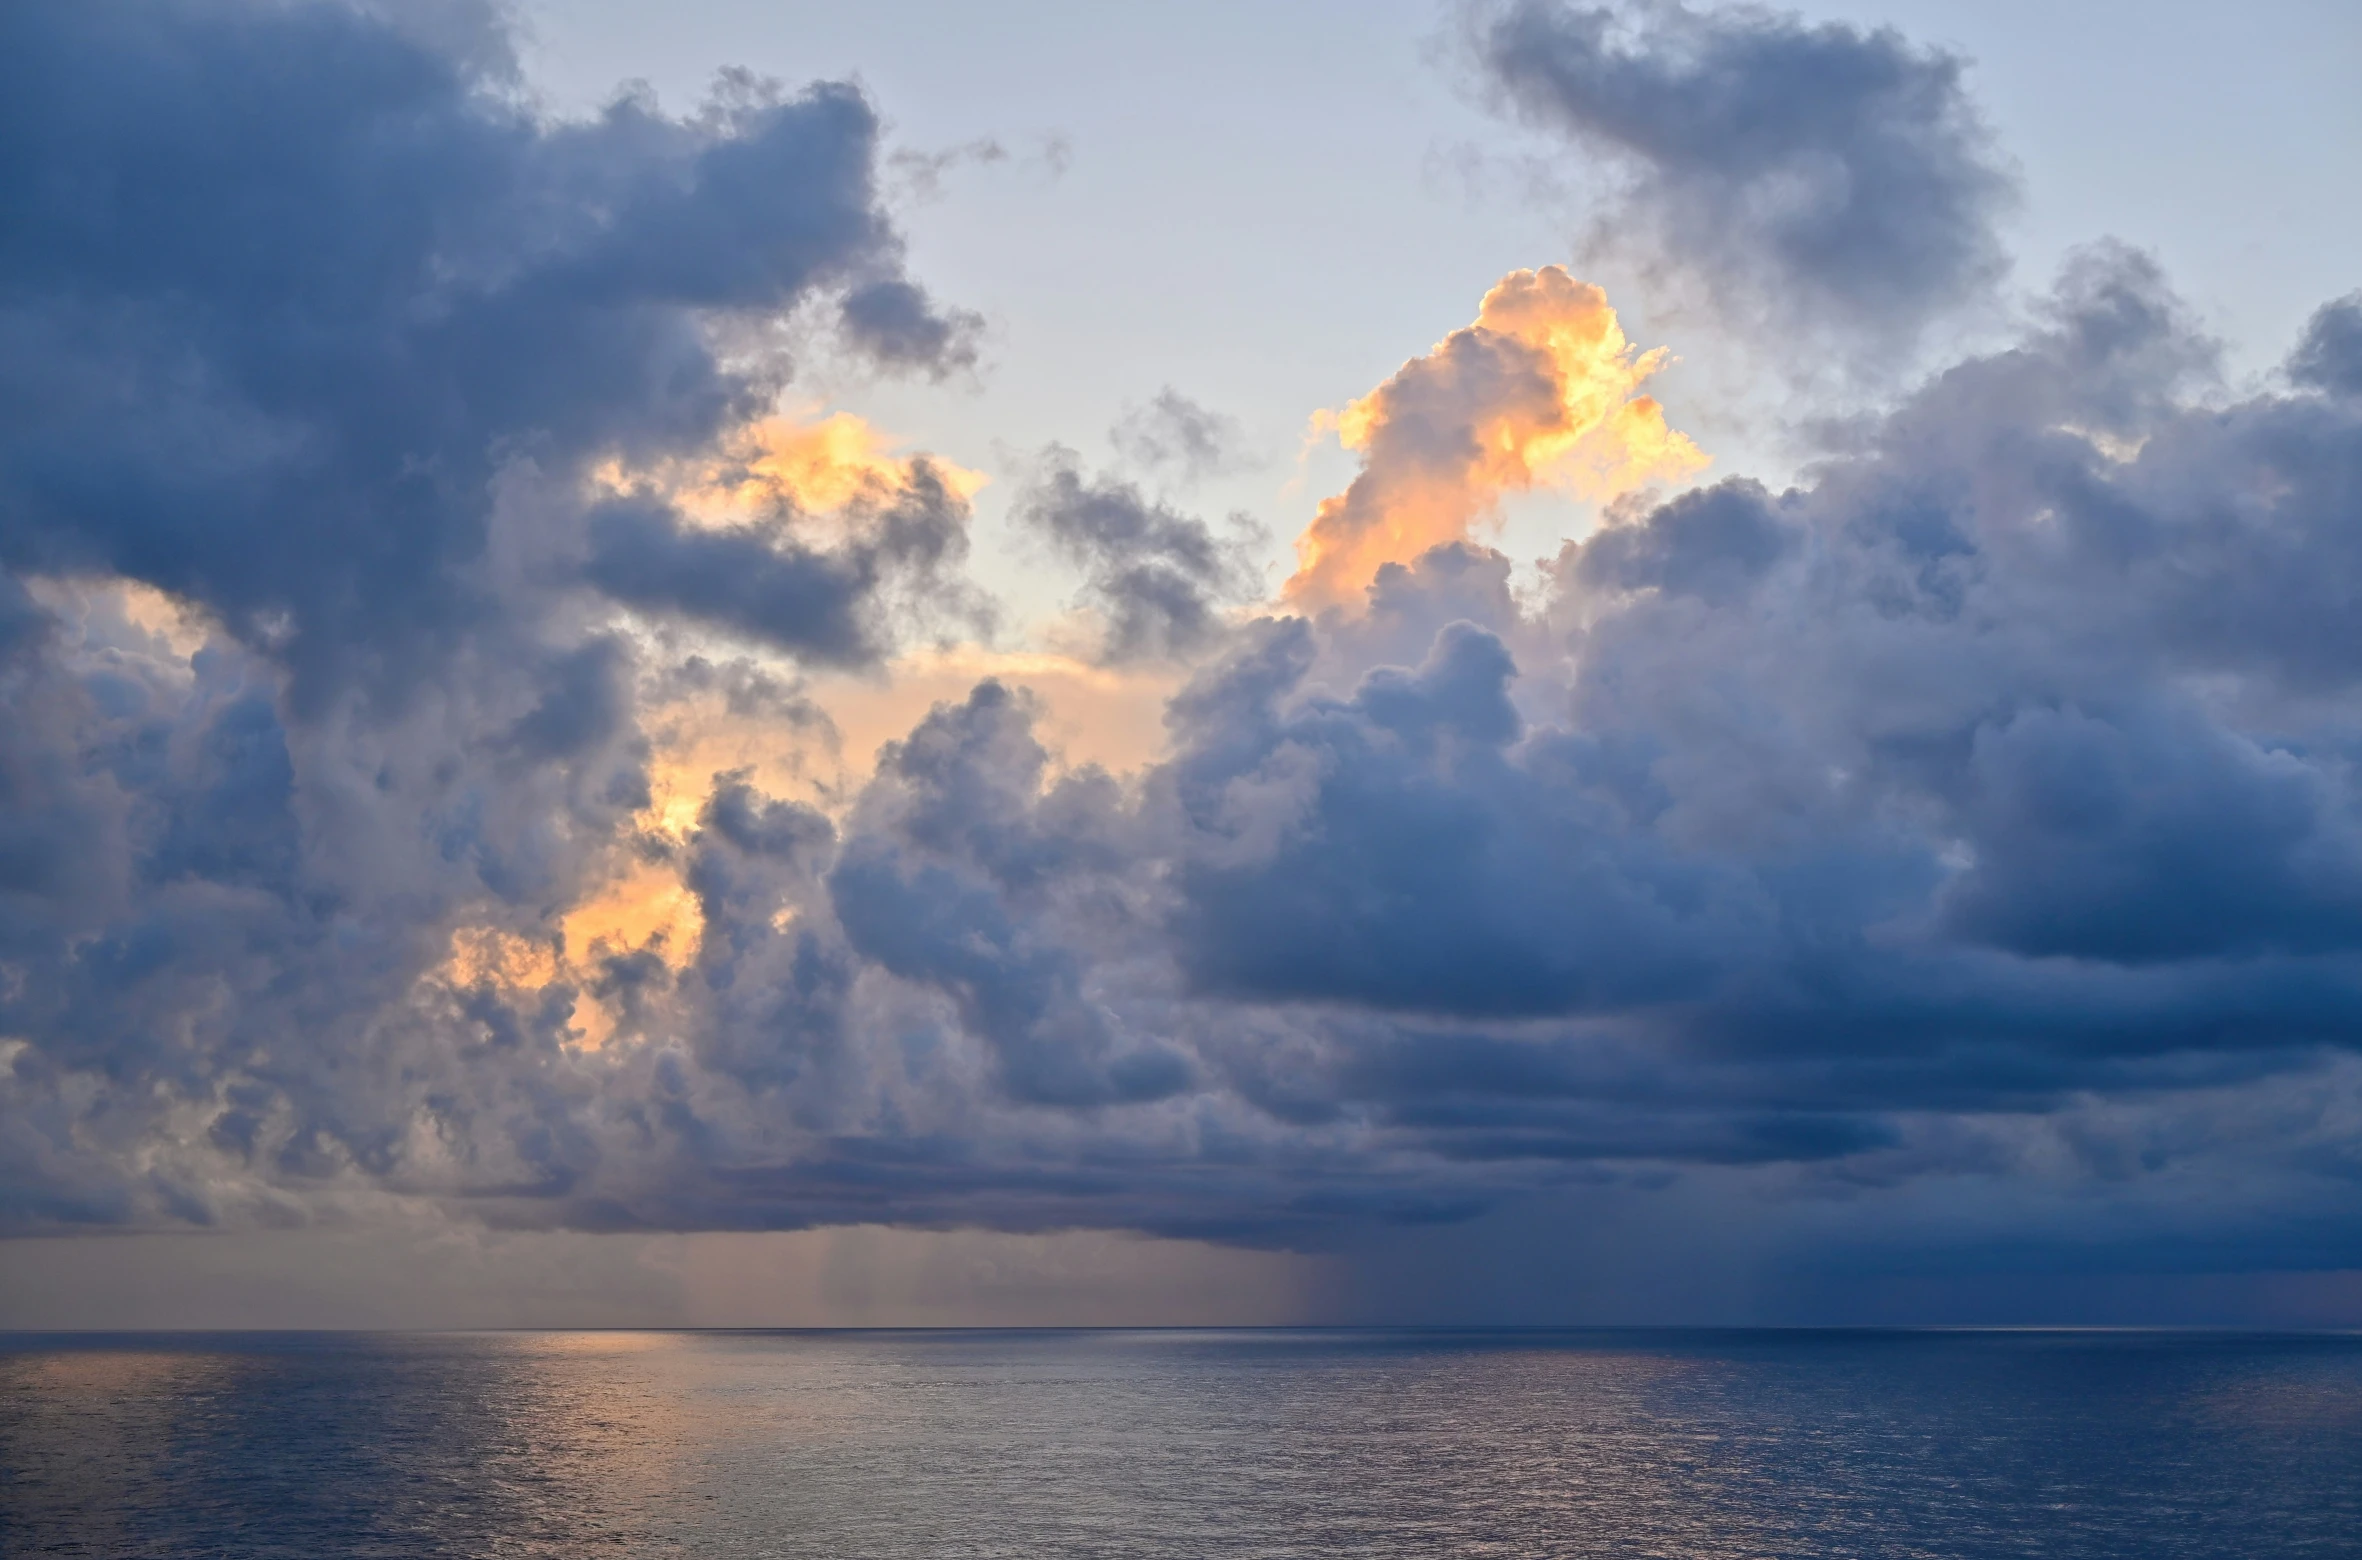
{"points": [[1543, 388], [1822, 175]]}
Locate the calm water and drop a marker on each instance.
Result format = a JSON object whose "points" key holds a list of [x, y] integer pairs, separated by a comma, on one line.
{"points": [[1181, 1444]]}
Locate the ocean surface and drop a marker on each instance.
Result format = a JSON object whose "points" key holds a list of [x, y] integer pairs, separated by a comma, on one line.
{"points": [[1367, 1444]]}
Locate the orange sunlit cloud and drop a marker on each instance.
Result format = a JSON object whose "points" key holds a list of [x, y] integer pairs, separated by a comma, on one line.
{"points": [[644, 907], [1089, 714], [813, 466], [483, 955], [1543, 390]]}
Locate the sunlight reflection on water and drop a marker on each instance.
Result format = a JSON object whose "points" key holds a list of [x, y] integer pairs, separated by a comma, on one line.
{"points": [[1181, 1444]]}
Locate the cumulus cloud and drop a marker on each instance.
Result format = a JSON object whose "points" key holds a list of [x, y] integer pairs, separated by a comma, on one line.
{"points": [[1817, 174], [1972, 823], [271, 361], [313, 556], [1542, 390], [1862, 834]]}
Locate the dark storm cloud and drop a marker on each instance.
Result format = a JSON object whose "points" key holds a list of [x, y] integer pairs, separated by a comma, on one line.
{"points": [[1415, 864], [1823, 173], [950, 877], [282, 287], [1712, 544]]}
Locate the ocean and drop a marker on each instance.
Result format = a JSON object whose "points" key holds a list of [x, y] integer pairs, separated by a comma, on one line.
{"points": [[1181, 1443]]}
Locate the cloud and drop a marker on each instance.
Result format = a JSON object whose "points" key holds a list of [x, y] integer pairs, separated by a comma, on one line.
{"points": [[1713, 544], [417, 799], [1172, 432], [901, 327], [2330, 356], [942, 885], [272, 361], [759, 579], [1388, 851], [1158, 577], [1542, 389], [343, 379], [1823, 175]]}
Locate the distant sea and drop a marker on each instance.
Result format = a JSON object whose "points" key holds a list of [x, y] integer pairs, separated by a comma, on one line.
{"points": [[1152, 1444]]}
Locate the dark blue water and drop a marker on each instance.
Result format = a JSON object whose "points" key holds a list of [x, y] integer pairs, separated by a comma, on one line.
{"points": [[1181, 1444]]}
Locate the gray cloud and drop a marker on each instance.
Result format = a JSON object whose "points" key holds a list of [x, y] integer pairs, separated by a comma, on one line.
{"points": [[899, 325], [1817, 175], [1158, 576], [1174, 433], [1920, 827], [762, 581], [271, 361], [2330, 356], [332, 371]]}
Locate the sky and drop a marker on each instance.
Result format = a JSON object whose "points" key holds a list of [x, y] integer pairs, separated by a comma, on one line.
{"points": [[1237, 193], [738, 664]]}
